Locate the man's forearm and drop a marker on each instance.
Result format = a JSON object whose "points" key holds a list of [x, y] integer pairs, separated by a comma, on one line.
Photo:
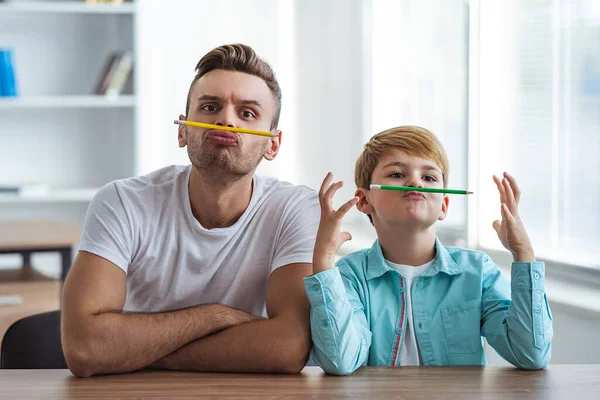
{"points": [[114, 342], [271, 346]]}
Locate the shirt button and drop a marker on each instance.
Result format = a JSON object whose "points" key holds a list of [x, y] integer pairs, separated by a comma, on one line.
{"points": [[536, 275], [325, 323], [401, 289], [538, 310], [399, 331], [316, 287]]}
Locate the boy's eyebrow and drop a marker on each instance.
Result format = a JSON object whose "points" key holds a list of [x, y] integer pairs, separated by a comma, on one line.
{"points": [[217, 98], [401, 164]]}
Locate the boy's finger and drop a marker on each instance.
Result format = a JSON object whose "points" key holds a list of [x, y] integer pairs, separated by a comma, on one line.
{"points": [[515, 187], [498, 183], [332, 189], [347, 206], [345, 236], [325, 183], [510, 197], [506, 215]]}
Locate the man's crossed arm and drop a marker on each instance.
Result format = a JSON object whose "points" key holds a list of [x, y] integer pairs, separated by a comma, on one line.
{"points": [[99, 338]]}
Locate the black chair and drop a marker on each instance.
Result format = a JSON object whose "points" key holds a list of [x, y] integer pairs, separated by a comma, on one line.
{"points": [[33, 343]]}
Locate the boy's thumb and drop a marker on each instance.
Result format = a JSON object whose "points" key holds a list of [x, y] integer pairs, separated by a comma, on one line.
{"points": [[496, 225]]}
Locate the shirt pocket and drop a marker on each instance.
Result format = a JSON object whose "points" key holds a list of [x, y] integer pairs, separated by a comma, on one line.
{"points": [[462, 327]]}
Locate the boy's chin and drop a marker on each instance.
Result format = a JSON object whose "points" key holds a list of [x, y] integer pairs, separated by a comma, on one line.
{"points": [[417, 223]]}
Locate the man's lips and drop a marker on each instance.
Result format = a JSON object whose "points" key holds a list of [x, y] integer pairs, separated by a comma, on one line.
{"points": [[222, 137], [414, 195]]}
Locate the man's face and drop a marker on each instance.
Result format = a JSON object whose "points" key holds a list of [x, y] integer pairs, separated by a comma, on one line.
{"points": [[418, 209], [236, 99]]}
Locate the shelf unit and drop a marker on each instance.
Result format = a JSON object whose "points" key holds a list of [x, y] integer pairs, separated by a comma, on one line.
{"points": [[72, 7], [57, 131]]}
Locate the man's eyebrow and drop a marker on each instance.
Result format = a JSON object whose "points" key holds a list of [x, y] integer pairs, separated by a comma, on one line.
{"points": [[401, 164], [217, 98], [253, 102], [209, 97]]}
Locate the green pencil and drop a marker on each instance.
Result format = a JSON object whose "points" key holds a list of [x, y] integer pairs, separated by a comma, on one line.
{"points": [[417, 189]]}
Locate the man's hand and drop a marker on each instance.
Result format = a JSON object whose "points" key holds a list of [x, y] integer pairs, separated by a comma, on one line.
{"points": [[329, 238], [511, 230]]}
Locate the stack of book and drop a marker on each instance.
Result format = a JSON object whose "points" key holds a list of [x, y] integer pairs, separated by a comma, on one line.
{"points": [[115, 74], [103, 1], [8, 82]]}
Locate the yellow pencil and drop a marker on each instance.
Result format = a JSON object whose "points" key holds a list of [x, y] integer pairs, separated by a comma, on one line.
{"points": [[224, 128]]}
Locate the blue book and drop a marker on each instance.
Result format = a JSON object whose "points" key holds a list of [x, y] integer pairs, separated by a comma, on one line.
{"points": [[9, 82], [2, 69]]}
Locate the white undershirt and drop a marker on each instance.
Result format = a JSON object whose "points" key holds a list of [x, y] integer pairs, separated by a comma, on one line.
{"points": [[409, 353]]}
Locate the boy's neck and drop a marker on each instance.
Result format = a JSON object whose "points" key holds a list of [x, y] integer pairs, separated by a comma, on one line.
{"points": [[406, 246]]}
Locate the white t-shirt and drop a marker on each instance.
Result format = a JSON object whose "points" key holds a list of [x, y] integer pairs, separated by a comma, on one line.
{"points": [[145, 226], [409, 352]]}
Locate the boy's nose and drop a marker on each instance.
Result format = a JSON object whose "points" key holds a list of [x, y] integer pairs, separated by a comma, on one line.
{"points": [[414, 182]]}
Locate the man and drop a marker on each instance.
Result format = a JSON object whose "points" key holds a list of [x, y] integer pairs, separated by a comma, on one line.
{"points": [[179, 269]]}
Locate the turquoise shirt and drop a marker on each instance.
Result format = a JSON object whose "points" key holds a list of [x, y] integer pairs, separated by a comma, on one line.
{"points": [[358, 311]]}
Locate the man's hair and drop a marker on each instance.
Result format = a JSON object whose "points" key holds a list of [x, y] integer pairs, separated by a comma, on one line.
{"points": [[240, 58], [413, 140]]}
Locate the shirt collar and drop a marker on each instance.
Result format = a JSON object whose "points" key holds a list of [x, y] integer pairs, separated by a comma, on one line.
{"points": [[443, 262]]}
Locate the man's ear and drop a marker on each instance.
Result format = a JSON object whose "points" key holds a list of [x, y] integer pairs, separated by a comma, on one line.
{"points": [[273, 147], [363, 204], [445, 205], [181, 132]]}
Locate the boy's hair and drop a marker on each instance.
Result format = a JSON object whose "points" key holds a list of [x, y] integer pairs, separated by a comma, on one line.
{"points": [[413, 140], [240, 58]]}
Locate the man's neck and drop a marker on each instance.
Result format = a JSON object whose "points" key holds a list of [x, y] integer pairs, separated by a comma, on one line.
{"points": [[218, 203], [407, 246]]}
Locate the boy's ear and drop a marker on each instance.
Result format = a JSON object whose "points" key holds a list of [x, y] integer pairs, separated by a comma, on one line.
{"points": [[445, 205], [363, 204]]}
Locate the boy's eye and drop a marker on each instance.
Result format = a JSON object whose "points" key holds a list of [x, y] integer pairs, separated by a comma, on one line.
{"points": [[396, 175], [429, 178]]}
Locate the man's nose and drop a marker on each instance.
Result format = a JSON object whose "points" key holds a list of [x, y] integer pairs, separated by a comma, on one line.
{"points": [[226, 117]]}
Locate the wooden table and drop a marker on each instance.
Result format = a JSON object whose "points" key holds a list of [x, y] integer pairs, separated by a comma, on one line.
{"points": [[35, 236], [556, 382]]}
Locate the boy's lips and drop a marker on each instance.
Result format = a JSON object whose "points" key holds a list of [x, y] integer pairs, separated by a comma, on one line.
{"points": [[414, 195]]}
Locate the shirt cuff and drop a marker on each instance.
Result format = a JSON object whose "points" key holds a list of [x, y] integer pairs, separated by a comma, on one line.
{"points": [[324, 287], [528, 275]]}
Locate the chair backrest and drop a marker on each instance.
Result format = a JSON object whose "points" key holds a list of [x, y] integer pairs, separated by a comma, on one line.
{"points": [[33, 343]]}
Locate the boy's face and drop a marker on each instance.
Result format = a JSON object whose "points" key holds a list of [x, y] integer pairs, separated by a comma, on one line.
{"points": [[406, 209]]}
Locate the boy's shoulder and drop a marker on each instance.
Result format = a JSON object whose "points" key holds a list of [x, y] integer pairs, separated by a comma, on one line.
{"points": [[354, 263], [469, 260]]}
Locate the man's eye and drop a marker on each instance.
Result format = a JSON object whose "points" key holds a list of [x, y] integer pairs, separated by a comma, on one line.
{"points": [[209, 107], [248, 114]]}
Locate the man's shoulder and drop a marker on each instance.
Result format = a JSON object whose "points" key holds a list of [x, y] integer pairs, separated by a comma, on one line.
{"points": [[155, 179], [275, 189], [141, 189]]}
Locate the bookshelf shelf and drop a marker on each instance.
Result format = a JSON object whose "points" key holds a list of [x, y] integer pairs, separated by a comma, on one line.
{"points": [[53, 196], [92, 101], [66, 7]]}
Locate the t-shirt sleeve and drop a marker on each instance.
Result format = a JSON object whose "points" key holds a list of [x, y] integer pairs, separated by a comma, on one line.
{"points": [[300, 222], [106, 230]]}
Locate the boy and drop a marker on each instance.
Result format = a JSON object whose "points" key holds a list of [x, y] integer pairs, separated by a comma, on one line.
{"points": [[409, 300]]}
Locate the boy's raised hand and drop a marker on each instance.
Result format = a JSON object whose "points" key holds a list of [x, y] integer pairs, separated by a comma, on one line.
{"points": [[511, 230], [329, 238]]}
